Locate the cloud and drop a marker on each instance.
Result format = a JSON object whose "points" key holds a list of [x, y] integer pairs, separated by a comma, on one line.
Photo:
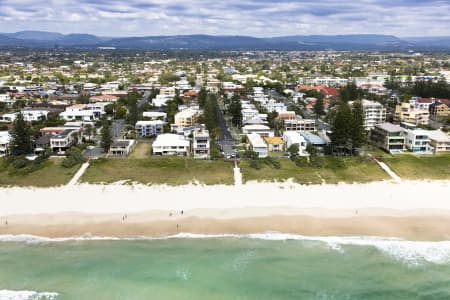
{"points": [[231, 17]]}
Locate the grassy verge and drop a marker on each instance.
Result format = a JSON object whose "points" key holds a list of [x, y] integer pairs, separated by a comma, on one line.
{"points": [[160, 170], [410, 166], [141, 151], [50, 173], [334, 170]]}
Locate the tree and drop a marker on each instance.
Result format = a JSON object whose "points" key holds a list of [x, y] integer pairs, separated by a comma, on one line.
{"points": [[358, 132], [202, 94], [235, 110], [20, 137], [311, 150], [293, 150], [319, 109], [350, 92], [341, 127], [106, 140], [88, 130]]}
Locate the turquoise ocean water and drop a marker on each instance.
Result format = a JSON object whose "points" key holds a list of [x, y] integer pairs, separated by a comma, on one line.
{"points": [[267, 266]]}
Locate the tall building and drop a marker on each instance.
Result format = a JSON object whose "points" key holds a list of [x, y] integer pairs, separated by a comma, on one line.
{"points": [[187, 118], [410, 114], [200, 143], [374, 113]]}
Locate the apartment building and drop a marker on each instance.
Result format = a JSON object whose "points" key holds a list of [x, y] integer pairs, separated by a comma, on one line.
{"points": [[388, 137], [374, 113], [149, 128], [201, 143], [299, 124], [410, 114], [440, 108], [187, 118]]}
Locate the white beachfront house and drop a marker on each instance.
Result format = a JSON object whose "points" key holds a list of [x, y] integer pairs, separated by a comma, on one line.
{"points": [[257, 144], [122, 147], [200, 143], [295, 138], [170, 144]]}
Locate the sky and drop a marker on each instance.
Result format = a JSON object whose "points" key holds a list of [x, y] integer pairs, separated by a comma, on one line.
{"points": [[260, 18]]}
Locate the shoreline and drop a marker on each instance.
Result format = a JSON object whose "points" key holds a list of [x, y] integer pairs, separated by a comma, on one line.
{"points": [[411, 210]]}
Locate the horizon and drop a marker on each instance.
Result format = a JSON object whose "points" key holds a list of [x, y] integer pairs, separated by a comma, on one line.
{"points": [[404, 18], [227, 35]]}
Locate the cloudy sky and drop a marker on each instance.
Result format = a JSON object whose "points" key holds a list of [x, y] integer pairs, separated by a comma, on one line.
{"points": [[227, 17]]}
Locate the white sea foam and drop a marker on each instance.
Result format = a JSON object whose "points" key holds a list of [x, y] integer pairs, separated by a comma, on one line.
{"points": [[408, 251], [26, 295]]}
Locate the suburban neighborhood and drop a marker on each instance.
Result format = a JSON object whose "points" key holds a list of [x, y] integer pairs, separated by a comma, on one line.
{"points": [[256, 110]]}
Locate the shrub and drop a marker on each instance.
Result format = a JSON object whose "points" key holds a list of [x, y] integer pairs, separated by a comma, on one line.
{"points": [[19, 163], [317, 162], [73, 157], [301, 161], [255, 164]]}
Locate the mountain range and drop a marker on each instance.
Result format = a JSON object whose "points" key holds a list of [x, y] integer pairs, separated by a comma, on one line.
{"points": [[42, 39]]}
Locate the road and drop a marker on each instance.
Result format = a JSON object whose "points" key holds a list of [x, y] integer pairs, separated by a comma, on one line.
{"points": [[144, 98], [117, 128], [225, 141]]}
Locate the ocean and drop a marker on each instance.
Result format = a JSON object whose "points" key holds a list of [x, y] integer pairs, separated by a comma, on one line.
{"points": [[265, 266]]}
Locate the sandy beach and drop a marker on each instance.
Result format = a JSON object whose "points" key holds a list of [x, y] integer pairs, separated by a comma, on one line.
{"points": [[412, 210]]}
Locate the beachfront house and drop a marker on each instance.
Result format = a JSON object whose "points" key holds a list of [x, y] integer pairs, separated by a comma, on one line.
{"points": [[257, 144], [295, 138], [201, 143], [62, 141], [122, 147], [170, 144], [314, 140], [439, 141], [274, 143], [417, 140], [388, 137]]}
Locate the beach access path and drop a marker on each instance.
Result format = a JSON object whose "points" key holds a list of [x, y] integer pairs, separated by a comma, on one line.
{"points": [[78, 174], [388, 170]]}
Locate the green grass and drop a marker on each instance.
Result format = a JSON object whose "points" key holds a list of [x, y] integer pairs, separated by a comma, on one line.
{"points": [[336, 169], [50, 173], [142, 150], [160, 170], [410, 166]]}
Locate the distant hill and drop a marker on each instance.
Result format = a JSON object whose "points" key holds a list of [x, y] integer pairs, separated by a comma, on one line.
{"points": [[36, 35], [42, 39]]}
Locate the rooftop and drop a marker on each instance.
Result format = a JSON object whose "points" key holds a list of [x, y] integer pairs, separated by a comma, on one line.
{"points": [[389, 127], [256, 140]]}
